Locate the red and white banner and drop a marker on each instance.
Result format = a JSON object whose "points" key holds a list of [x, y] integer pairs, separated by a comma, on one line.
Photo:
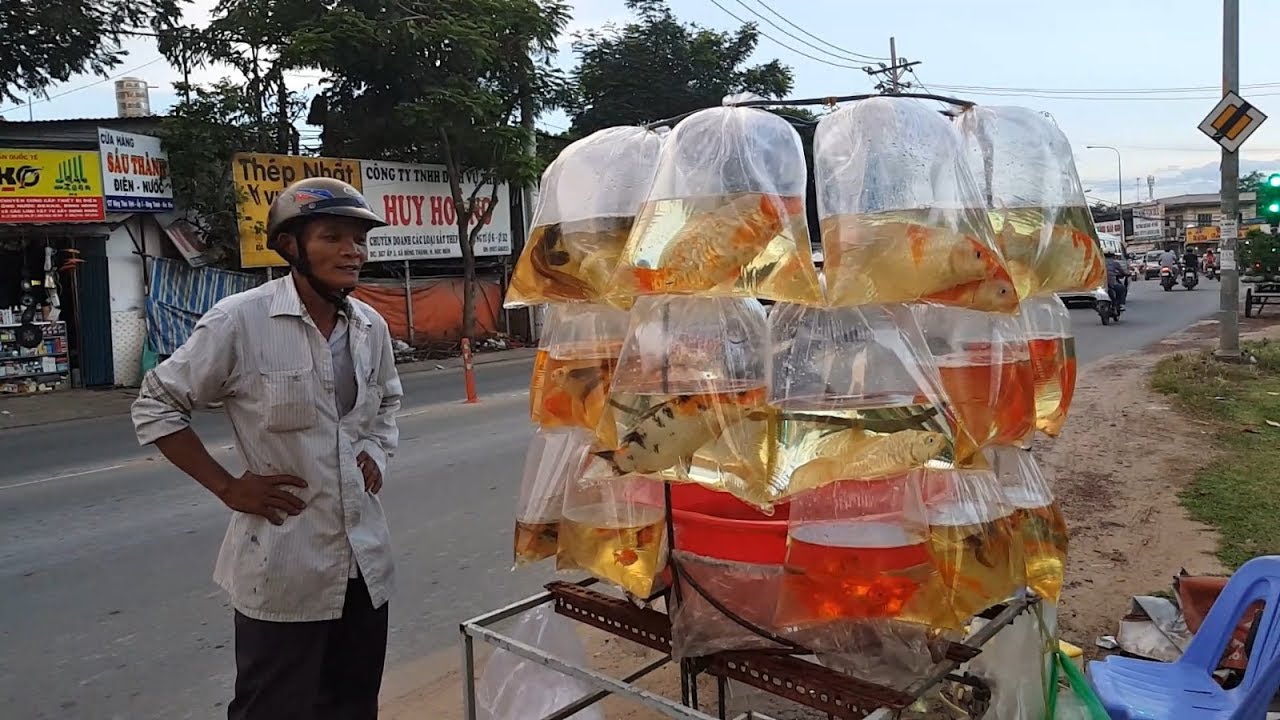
{"points": [[423, 223]]}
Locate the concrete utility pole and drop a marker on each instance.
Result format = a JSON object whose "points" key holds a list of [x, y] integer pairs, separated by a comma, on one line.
{"points": [[1229, 306], [893, 72]]}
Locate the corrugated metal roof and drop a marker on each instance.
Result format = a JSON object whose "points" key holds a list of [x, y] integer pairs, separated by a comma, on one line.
{"points": [[145, 119]]}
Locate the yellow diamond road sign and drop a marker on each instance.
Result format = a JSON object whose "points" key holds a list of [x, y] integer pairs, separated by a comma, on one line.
{"points": [[1232, 122]]}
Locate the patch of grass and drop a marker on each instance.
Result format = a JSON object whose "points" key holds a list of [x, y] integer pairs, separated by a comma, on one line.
{"points": [[1237, 493]]}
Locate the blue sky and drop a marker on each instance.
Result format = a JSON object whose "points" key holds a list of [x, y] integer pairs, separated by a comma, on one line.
{"points": [[1085, 45]]}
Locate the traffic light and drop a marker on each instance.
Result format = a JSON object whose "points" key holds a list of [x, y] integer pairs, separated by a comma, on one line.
{"points": [[1268, 200]]}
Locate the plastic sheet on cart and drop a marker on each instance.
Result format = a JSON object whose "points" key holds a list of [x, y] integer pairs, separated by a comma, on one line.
{"points": [[1040, 525], [614, 528], [688, 402], [854, 396], [1053, 360], [901, 217], [892, 653], [1017, 664], [513, 688], [554, 459], [587, 204], [856, 550], [748, 590], [726, 213], [582, 342], [985, 369], [972, 543], [1027, 175]]}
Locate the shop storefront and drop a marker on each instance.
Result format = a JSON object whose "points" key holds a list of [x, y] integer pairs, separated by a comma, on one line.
{"points": [[76, 229]]}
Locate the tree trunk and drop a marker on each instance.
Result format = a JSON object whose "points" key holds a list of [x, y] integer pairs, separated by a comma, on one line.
{"points": [[468, 278]]}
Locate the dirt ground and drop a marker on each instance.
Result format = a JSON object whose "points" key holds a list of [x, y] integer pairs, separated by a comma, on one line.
{"points": [[1117, 469]]}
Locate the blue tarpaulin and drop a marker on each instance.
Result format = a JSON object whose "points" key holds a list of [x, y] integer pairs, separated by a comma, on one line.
{"points": [[180, 295]]}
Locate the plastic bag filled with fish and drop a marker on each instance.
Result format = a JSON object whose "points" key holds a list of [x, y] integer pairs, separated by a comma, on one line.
{"points": [[853, 396], [1053, 359], [726, 215], [900, 215], [972, 543], [687, 403], [892, 653], [587, 203], [554, 459], [1027, 175], [583, 342], [1038, 517], [984, 364], [856, 550], [615, 529]]}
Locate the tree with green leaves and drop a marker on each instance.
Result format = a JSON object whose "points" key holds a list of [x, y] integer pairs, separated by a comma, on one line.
{"points": [[1250, 182], [657, 67], [200, 134], [439, 82], [48, 41]]}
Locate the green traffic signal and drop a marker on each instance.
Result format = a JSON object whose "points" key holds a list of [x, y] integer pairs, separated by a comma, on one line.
{"points": [[1274, 207], [1274, 180]]}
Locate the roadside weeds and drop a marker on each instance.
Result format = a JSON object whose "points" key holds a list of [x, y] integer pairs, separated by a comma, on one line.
{"points": [[1235, 492]]}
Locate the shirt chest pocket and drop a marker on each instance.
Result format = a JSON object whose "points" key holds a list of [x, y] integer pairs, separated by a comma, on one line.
{"points": [[291, 400]]}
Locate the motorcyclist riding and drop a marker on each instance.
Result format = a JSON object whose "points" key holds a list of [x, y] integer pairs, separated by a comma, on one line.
{"points": [[1117, 279], [1191, 261]]}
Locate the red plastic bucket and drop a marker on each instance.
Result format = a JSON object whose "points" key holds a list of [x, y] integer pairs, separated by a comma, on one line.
{"points": [[718, 525]]}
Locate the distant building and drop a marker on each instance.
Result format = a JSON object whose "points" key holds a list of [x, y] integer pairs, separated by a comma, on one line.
{"points": [[1173, 221]]}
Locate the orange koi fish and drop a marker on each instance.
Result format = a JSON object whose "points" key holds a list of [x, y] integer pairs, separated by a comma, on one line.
{"points": [[995, 294], [714, 246]]}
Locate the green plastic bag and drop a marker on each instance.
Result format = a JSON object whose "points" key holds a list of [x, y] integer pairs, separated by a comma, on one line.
{"points": [[1081, 703]]}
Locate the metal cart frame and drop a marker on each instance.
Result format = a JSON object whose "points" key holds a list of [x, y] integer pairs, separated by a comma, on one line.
{"points": [[1266, 292], [785, 676]]}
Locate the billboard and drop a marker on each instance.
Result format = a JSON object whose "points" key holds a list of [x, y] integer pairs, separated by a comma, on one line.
{"points": [[417, 204], [135, 172], [1205, 234], [259, 178], [50, 186]]}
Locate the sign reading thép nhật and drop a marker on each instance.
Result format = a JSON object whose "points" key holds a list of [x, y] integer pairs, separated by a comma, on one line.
{"points": [[417, 203], [260, 178], [50, 186], [135, 172]]}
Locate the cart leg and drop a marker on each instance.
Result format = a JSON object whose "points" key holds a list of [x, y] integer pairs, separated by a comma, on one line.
{"points": [[722, 699], [468, 677]]}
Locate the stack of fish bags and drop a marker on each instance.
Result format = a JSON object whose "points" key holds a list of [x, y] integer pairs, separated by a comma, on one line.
{"points": [[589, 200], [855, 453]]}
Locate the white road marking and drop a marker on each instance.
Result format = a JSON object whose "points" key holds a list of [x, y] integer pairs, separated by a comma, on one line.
{"points": [[61, 477]]}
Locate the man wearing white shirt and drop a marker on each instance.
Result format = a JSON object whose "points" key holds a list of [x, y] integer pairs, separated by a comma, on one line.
{"points": [[307, 377]]}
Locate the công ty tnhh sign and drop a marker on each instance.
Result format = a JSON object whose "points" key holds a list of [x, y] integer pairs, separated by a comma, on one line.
{"points": [[422, 222]]}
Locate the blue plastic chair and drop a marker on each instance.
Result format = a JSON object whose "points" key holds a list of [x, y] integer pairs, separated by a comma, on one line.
{"points": [[1133, 689]]}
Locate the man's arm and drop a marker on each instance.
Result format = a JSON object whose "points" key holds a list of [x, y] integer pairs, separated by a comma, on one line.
{"points": [[201, 372], [383, 433]]}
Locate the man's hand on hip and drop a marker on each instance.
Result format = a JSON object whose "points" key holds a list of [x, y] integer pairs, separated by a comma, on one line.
{"points": [[372, 475], [264, 495]]}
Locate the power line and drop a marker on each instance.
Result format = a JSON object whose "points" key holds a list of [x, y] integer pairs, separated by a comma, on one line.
{"points": [[842, 55], [1124, 98], [83, 87], [1100, 91], [782, 44]]}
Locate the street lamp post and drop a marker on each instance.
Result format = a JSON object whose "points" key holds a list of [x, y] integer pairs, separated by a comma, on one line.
{"points": [[1119, 183]]}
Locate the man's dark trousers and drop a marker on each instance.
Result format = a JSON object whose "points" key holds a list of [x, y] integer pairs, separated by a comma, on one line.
{"points": [[326, 670]]}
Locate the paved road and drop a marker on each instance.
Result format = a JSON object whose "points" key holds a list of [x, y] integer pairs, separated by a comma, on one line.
{"points": [[108, 610]]}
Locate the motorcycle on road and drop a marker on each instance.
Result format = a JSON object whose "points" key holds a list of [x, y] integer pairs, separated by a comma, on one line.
{"points": [[1167, 280], [1190, 278]]}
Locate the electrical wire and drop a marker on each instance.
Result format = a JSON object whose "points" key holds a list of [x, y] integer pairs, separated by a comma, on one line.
{"points": [[842, 55], [764, 34], [82, 87], [1121, 98], [1104, 91]]}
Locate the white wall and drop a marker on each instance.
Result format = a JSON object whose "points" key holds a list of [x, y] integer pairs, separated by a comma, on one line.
{"points": [[128, 294]]}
